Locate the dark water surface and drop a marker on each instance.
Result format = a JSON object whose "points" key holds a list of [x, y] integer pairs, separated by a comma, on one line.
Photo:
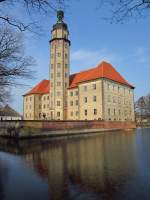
{"points": [[98, 167]]}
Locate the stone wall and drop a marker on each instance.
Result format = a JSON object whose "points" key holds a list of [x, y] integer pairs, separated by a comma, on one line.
{"points": [[33, 128]]}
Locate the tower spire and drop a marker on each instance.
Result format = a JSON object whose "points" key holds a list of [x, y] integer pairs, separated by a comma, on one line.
{"points": [[60, 16]]}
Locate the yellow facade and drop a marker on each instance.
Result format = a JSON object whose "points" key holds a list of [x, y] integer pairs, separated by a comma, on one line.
{"points": [[98, 99]]}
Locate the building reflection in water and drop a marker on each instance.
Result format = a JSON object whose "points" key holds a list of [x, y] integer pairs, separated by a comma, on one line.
{"points": [[96, 167]]}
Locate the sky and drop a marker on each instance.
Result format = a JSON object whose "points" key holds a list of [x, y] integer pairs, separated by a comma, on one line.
{"points": [[126, 46]]}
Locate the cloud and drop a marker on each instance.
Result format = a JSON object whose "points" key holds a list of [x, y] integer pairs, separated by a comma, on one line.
{"points": [[87, 58]]}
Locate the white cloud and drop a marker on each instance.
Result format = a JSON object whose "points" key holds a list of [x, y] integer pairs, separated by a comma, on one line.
{"points": [[87, 58]]}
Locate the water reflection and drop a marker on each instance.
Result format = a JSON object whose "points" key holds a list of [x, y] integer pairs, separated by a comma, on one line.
{"points": [[89, 167]]}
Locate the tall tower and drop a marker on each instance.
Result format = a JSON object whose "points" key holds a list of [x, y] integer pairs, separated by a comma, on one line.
{"points": [[59, 68]]}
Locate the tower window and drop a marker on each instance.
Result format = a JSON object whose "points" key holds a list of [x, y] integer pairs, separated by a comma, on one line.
{"points": [[58, 74], [47, 97], [66, 56], [94, 98], [58, 65], [58, 54], [71, 103], [85, 99], [52, 66], [58, 83], [71, 94]]}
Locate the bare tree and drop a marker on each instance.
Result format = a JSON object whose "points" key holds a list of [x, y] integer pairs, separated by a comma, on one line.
{"points": [[143, 105], [13, 63], [29, 6], [122, 10]]}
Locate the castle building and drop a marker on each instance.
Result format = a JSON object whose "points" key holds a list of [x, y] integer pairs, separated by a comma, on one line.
{"points": [[99, 93]]}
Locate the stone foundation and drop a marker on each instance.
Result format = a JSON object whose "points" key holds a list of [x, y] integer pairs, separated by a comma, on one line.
{"points": [[50, 128]]}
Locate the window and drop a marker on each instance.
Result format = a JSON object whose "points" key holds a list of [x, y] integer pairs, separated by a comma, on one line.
{"points": [[47, 105], [40, 106], [58, 74], [39, 98], [71, 94], [94, 86], [66, 65], [65, 84], [77, 113], [85, 112], [71, 113], [85, 88], [58, 65], [51, 75], [66, 55], [44, 106], [44, 98], [58, 54], [58, 114], [52, 66], [51, 84], [26, 99], [30, 98], [52, 55], [109, 99], [95, 111], [52, 45], [94, 98], [58, 93], [58, 103], [114, 112], [85, 99], [108, 111], [76, 102], [119, 100], [58, 83], [118, 89], [71, 103], [47, 97], [119, 112], [66, 75], [114, 99], [76, 93]]}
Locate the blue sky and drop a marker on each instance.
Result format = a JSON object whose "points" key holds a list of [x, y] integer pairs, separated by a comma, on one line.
{"points": [[126, 46]]}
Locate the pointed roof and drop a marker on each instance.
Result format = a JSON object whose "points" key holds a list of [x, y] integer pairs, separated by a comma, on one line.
{"points": [[8, 111], [41, 88], [102, 70]]}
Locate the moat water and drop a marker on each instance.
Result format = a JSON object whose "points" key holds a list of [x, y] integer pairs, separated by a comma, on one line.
{"points": [[113, 166]]}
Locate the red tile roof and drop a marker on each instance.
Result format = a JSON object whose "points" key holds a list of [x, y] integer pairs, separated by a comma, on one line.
{"points": [[102, 70], [41, 88]]}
